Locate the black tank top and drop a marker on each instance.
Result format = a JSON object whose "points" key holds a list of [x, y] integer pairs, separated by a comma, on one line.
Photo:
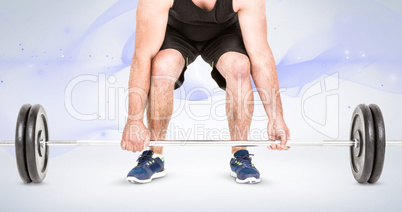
{"points": [[198, 24]]}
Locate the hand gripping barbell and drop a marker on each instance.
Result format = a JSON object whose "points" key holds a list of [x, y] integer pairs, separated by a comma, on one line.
{"points": [[367, 143]]}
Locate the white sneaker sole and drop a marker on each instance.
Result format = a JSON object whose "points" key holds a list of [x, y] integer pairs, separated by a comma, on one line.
{"points": [[249, 180], [154, 176]]}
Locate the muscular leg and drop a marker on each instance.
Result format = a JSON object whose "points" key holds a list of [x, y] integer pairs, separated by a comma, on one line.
{"points": [[167, 66], [235, 68]]}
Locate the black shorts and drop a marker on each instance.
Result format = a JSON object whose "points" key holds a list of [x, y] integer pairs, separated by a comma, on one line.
{"points": [[230, 40]]}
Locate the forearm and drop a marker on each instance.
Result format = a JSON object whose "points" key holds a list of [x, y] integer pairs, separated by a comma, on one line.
{"points": [[139, 82], [266, 81]]}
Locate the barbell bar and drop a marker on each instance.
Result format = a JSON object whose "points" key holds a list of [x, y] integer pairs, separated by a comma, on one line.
{"points": [[173, 143], [367, 143], [89, 143]]}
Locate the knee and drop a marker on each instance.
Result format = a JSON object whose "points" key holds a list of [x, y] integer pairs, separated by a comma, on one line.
{"points": [[164, 68], [166, 63], [238, 67]]}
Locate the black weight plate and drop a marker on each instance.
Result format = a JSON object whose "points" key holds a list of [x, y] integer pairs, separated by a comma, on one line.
{"points": [[37, 152], [362, 156], [20, 151], [380, 140]]}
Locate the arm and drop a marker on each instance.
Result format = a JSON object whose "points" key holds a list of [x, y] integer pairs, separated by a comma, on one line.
{"points": [[152, 17], [253, 23]]}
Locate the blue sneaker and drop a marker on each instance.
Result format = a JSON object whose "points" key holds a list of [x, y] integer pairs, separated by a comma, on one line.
{"points": [[147, 168], [243, 168]]}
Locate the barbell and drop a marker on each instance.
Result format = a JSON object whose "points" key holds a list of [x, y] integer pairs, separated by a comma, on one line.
{"points": [[366, 141]]}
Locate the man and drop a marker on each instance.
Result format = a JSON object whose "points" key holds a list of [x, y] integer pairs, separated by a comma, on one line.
{"points": [[230, 35]]}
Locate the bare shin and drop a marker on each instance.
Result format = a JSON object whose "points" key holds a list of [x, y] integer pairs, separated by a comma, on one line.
{"points": [[166, 68], [235, 68]]}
